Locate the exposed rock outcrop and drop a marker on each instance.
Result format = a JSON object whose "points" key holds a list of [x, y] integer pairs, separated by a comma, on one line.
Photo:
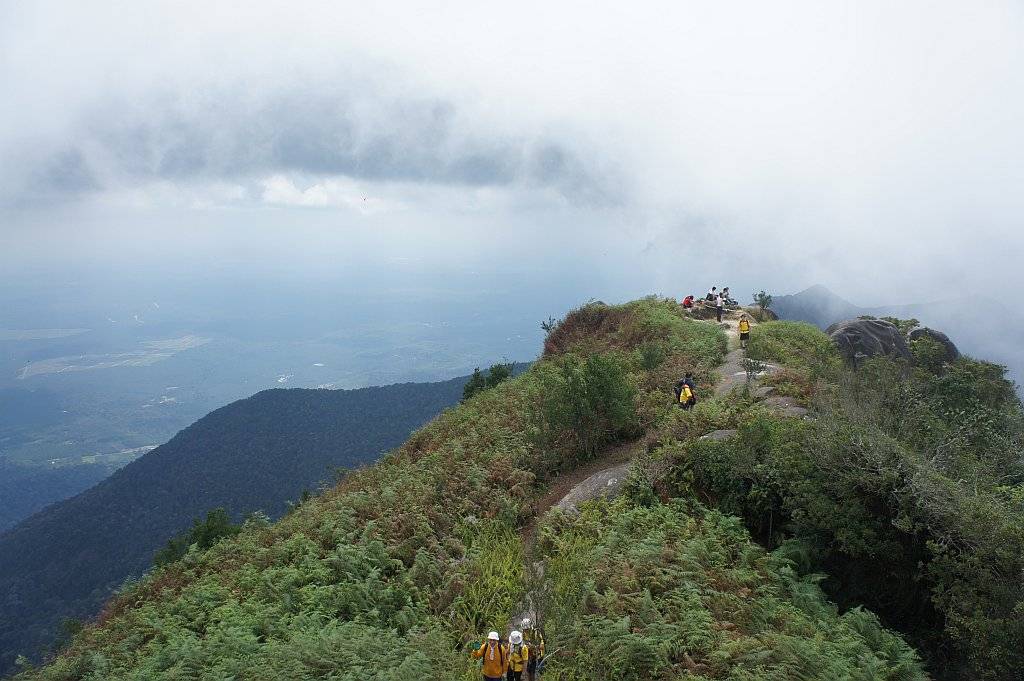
{"points": [[862, 338]]}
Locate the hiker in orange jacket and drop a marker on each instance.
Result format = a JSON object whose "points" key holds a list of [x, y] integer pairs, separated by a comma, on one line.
{"points": [[495, 657]]}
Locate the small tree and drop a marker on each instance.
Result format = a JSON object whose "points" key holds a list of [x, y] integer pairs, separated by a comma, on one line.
{"points": [[475, 384], [763, 300], [204, 533], [479, 381]]}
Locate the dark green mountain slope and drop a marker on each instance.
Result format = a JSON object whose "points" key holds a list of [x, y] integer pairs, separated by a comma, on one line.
{"points": [[26, 490], [253, 454]]}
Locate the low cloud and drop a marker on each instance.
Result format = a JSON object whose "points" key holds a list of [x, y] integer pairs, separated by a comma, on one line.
{"points": [[320, 128]]}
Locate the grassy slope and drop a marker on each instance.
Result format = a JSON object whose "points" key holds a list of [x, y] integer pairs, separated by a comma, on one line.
{"points": [[388, 575]]}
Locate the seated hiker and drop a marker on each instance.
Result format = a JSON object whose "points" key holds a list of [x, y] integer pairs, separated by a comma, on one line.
{"points": [[744, 331], [495, 657], [518, 656], [535, 641], [688, 302], [712, 294]]}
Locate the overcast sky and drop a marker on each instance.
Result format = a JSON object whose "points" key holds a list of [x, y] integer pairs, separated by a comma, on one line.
{"points": [[877, 148]]}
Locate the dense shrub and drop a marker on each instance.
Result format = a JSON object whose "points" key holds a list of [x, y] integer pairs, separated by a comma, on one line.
{"points": [[655, 592], [586, 402], [906, 490]]}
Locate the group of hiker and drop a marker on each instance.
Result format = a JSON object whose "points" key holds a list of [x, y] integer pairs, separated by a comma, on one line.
{"points": [[523, 653], [685, 389], [719, 299]]}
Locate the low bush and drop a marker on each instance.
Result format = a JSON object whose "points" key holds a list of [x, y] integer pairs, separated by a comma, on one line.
{"points": [[906, 490], [796, 345], [667, 590]]}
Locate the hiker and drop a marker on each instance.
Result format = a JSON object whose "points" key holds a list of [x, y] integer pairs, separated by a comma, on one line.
{"points": [[719, 304], [688, 302], [712, 294], [518, 656], [686, 396], [535, 641], [726, 298], [744, 331], [495, 657]]}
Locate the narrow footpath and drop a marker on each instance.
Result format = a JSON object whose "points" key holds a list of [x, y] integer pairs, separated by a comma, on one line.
{"points": [[605, 475]]}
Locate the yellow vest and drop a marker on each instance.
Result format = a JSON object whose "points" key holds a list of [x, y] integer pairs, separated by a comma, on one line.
{"points": [[744, 326], [685, 394], [517, 658]]}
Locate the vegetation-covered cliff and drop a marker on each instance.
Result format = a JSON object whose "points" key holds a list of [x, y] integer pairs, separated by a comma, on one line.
{"points": [[782, 548]]}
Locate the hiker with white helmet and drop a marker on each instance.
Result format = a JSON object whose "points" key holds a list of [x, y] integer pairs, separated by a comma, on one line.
{"points": [[494, 654], [518, 656], [535, 641]]}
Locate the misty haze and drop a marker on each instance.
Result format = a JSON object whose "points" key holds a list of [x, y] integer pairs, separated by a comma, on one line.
{"points": [[247, 250]]}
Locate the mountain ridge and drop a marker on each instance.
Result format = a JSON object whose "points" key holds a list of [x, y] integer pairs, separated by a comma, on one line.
{"points": [[253, 454]]}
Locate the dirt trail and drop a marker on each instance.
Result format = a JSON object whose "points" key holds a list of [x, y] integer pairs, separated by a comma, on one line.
{"points": [[571, 484], [606, 474]]}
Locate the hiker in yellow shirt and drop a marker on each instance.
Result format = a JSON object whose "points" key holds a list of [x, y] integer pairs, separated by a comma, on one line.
{"points": [[495, 656], [518, 656], [744, 331]]}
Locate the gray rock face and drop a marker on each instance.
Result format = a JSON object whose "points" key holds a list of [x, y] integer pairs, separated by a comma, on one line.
{"points": [[952, 352], [719, 435], [862, 338], [786, 406], [606, 483]]}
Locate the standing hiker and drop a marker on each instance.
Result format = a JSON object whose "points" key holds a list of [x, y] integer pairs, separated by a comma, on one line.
{"points": [[744, 331], [535, 640], [495, 657], [518, 656], [719, 304]]}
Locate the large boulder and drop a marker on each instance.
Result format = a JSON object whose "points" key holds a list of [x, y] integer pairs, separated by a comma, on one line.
{"points": [[861, 338], [952, 352]]}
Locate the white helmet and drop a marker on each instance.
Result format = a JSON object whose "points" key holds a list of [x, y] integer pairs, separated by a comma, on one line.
{"points": [[493, 636], [526, 623], [516, 638]]}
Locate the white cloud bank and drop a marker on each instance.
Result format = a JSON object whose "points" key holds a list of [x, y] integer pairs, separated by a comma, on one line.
{"points": [[872, 146]]}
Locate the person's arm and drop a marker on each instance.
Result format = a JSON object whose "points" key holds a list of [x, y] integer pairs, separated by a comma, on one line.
{"points": [[479, 652]]}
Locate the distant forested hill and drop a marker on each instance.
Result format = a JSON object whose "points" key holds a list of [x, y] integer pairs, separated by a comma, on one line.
{"points": [[254, 454], [26, 490]]}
